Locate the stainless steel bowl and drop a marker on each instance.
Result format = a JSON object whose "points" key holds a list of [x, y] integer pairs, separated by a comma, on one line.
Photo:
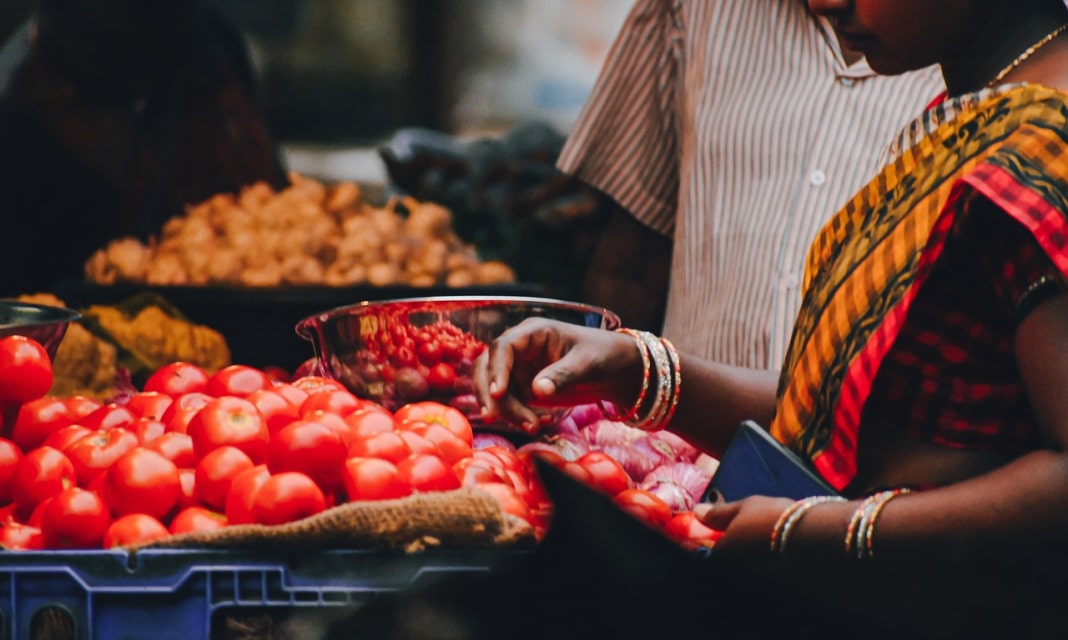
{"points": [[43, 323], [405, 350]]}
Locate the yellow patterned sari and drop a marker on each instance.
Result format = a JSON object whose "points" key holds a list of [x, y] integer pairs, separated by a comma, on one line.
{"points": [[866, 266]]}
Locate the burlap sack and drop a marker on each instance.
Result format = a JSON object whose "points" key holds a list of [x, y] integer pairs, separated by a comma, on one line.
{"points": [[462, 519]]}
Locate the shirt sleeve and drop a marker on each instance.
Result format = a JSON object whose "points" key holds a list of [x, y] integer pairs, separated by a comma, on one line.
{"points": [[626, 140]]}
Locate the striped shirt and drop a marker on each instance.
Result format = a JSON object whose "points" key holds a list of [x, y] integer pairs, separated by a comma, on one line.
{"points": [[737, 128]]}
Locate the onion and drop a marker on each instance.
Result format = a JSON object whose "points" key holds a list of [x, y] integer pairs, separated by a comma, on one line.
{"points": [[675, 496], [575, 418], [637, 461], [571, 446], [685, 475], [673, 446], [603, 433], [484, 439]]}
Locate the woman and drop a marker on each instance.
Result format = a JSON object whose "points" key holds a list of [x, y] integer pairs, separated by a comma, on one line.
{"points": [[926, 372]]}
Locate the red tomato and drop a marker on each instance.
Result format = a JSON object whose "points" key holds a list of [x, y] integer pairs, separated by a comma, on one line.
{"points": [[237, 380], [187, 478], [685, 529], [148, 429], [339, 401], [447, 444], [442, 377], [40, 474], [134, 529], [417, 443], [335, 422], [277, 374], [242, 496], [373, 479], [275, 408], [10, 454], [429, 352], [109, 416], [75, 519], [312, 384], [645, 506], [508, 498], [472, 471], [367, 421], [577, 471], [287, 497], [142, 481], [38, 419], [67, 436], [388, 445], [80, 406], [16, 536], [229, 420], [25, 370], [176, 447], [427, 472], [181, 412], [216, 472], [177, 378], [149, 404], [311, 448], [295, 395], [93, 454], [428, 411], [606, 474], [196, 518]]}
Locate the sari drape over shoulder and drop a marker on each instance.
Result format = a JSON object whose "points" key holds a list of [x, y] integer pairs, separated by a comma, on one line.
{"points": [[867, 265]]}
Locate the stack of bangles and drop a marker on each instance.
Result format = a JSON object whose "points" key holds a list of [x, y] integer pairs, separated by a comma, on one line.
{"points": [[659, 357], [859, 533]]}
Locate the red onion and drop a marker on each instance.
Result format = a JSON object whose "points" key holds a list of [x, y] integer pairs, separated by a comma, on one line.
{"points": [[603, 433], [485, 439], [675, 496], [673, 446], [570, 445], [687, 476], [637, 461], [575, 418]]}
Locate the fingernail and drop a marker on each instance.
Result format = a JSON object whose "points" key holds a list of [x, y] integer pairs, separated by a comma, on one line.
{"points": [[493, 388], [701, 510]]}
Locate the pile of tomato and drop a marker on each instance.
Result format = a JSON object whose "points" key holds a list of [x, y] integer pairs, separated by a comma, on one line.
{"points": [[193, 451]]}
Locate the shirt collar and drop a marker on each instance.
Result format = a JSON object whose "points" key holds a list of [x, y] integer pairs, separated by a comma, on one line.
{"points": [[857, 70]]}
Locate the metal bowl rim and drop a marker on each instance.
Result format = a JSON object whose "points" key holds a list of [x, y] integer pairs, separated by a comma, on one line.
{"points": [[51, 314]]}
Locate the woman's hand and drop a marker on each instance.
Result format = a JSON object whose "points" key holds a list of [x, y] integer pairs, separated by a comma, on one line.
{"points": [[746, 524], [546, 363]]}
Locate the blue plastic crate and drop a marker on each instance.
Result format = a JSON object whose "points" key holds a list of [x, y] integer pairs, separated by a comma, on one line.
{"points": [[175, 594]]}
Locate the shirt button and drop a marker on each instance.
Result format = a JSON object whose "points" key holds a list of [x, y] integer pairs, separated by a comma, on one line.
{"points": [[791, 280], [846, 82], [817, 178]]}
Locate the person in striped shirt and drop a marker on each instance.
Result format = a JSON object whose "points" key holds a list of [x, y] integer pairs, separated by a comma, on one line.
{"points": [[727, 131]]}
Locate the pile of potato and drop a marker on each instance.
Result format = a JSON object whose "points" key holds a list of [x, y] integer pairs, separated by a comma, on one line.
{"points": [[306, 234]]}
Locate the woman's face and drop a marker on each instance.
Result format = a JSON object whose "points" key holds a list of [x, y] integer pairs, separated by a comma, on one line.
{"points": [[901, 35]]}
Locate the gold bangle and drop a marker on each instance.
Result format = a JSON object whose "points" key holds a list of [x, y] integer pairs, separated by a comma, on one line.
{"points": [[654, 418], [643, 350], [676, 369], [869, 532], [854, 523], [794, 517]]}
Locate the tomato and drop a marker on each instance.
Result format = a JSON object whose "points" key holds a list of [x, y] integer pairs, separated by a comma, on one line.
{"points": [[373, 479], [93, 454], [215, 472], [507, 498], [429, 411], [472, 471], [187, 479], [10, 455], [429, 352], [387, 445], [67, 436], [176, 379], [447, 444], [645, 506], [606, 474], [367, 421], [38, 419], [687, 530], [277, 374], [287, 497], [147, 429], [142, 481], [176, 447], [229, 420], [577, 471], [311, 448], [40, 474], [442, 377], [275, 408], [80, 406], [149, 404], [237, 380], [427, 472], [242, 495], [295, 395], [341, 402], [75, 519], [312, 384], [196, 518], [335, 422], [181, 411], [16, 536], [134, 529], [109, 416], [25, 370]]}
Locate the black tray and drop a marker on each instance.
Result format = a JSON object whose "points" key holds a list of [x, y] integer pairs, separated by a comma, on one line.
{"points": [[259, 323]]}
